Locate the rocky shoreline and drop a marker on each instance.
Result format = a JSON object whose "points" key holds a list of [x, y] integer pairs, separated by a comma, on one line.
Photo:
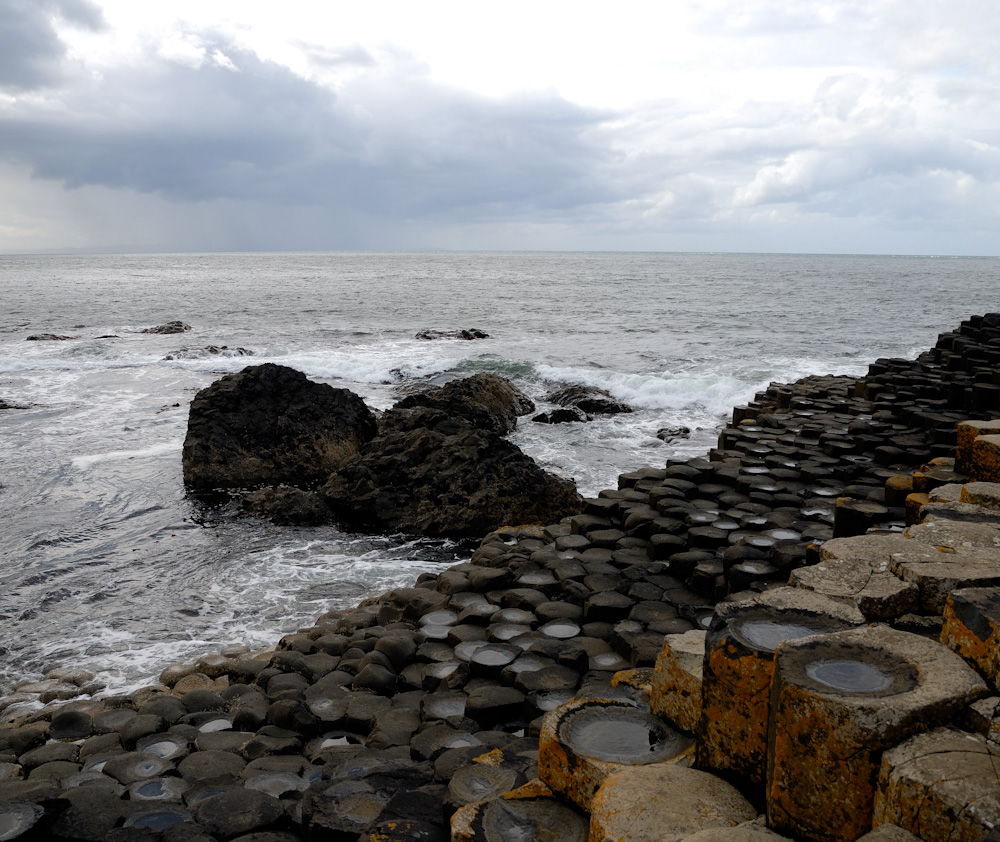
{"points": [[388, 721]]}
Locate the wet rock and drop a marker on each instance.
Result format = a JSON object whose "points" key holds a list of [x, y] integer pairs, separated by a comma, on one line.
{"points": [[91, 814], [49, 337], [467, 334], [168, 328], [215, 765], [669, 434], [564, 415], [236, 811], [208, 351], [466, 482], [18, 818], [486, 401], [287, 506], [585, 741], [588, 399], [270, 425], [861, 692]]}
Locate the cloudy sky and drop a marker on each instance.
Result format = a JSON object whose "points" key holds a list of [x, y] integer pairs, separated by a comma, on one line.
{"points": [[737, 125]]}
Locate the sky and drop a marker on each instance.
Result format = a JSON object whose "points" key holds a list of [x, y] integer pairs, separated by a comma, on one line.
{"points": [[830, 126]]}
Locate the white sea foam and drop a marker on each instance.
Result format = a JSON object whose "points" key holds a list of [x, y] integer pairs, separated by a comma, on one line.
{"points": [[168, 448], [715, 394]]}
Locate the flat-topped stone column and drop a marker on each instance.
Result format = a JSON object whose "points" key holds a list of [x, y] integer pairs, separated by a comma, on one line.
{"points": [[968, 432], [972, 629], [529, 812], [859, 569], [665, 803], [585, 740], [739, 665], [675, 694], [840, 700], [942, 786]]}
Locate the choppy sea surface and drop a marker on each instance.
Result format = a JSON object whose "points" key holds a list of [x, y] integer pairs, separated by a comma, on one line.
{"points": [[107, 565]]}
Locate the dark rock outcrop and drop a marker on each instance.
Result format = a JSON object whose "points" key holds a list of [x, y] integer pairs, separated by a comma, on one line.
{"points": [[471, 333], [168, 328], [669, 434], [271, 425], [588, 399], [48, 337], [487, 401], [561, 416], [447, 479], [285, 505]]}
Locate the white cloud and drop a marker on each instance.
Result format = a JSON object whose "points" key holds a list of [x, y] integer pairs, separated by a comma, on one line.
{"points": [[703, 121]]}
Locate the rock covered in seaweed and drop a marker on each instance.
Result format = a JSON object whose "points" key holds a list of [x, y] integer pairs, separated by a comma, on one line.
{"points": [[487, 401], [168, 328], [433, 474], [271, 425], [467, 334]]}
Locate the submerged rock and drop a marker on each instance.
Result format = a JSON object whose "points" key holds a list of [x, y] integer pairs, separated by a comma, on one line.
{"points": [[469, 334], [487, 401], [168, 328], [48, 337], [588, 399], [271, 425], [669, 434], [207, 351]]}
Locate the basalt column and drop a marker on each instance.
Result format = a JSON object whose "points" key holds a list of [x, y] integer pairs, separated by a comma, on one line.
{"points": [[838, 702], [738, 668]]}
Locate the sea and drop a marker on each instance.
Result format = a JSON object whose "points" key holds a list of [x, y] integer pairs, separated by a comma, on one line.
{"points": [[106, 564]]}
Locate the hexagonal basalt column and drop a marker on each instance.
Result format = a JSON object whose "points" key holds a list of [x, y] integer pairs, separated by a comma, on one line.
{"points": [[859, 569], [972, 628], [585, 740], [838, 702], [665, 803], [675, 694], [942, 786], [738, 667], [529, 812]]}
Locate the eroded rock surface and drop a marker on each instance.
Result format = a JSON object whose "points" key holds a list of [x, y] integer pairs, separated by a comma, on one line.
{"points": [[447, 478], [485, 400], [588, 399], [271, 425]]}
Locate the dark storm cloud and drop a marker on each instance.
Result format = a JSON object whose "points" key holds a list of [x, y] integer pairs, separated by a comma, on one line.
{"points": [[237, 127], [30, 48]]}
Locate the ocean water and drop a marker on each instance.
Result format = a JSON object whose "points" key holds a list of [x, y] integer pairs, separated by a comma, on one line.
{"points": [[106, 564]]}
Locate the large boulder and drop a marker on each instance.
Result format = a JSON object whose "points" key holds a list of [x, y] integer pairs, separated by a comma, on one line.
{"points": [[487, 401], [439, 476], [271, 425]]}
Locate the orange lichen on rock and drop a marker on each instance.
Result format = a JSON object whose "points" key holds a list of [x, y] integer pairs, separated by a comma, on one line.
{"points": [[739, 666], [586, 740], [972, 628], [984, 464], [839, 701], [941, 786], [665, 803], [967, 433], [676, 686]]}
